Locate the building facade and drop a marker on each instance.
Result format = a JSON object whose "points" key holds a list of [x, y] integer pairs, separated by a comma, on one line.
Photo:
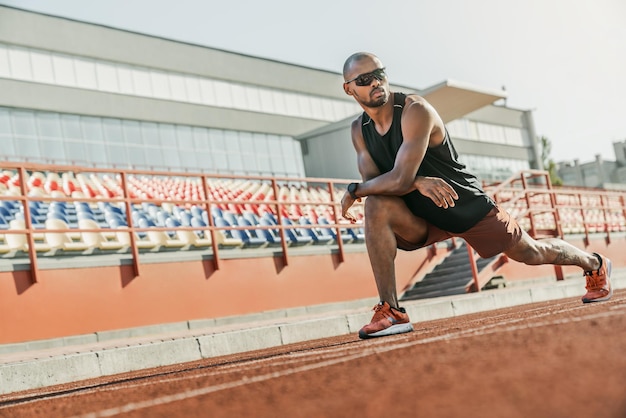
{"points": [[91, 95], [597, 173]]}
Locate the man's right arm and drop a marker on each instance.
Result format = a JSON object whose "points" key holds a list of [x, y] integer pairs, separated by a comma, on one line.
{"points": [[437, 189]]}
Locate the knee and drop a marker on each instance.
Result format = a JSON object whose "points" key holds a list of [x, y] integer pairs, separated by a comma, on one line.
{"points": [[377, 206]]}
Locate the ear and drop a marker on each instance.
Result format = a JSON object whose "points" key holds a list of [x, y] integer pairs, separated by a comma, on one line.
{"points": [[346, 89]]}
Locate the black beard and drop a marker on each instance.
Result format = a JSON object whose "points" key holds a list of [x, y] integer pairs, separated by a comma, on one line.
{"points": [[377, 103]]}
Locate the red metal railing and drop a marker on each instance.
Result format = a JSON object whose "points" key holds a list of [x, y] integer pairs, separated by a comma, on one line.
{"points": [[542, 210], [205, 199]]}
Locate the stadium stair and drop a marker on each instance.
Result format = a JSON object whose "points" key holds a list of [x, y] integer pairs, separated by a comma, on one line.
{"points": [[453, 276]]}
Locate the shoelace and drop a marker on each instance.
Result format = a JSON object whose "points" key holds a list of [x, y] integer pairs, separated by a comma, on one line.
{"points": [[378, 312], [592, 281]]}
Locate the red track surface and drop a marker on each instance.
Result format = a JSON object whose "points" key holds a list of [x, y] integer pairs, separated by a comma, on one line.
{"points": [[553, 359]]}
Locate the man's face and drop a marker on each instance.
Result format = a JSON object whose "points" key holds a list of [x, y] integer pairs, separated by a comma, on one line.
{"points": [[368, 83]]}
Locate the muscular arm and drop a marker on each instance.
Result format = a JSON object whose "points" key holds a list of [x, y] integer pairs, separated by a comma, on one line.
{"points": [[418, 124], [419, 130]]}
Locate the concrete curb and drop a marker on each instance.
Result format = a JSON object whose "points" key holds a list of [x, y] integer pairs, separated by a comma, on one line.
{"points": [[129, 350]]}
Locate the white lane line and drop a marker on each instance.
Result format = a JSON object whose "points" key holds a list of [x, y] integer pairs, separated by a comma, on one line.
{"points": [[485, 330]]}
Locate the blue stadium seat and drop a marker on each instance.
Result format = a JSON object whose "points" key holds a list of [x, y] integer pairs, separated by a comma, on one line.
{"points": [[345, 237], [297, 236], [318, 236], [271, 235]]}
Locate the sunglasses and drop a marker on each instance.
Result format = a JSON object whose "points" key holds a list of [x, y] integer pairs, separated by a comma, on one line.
{"points": [[367, 78]]}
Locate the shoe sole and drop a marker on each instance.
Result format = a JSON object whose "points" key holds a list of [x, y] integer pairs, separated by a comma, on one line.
{"points": [[608, 279], [392, 330]]}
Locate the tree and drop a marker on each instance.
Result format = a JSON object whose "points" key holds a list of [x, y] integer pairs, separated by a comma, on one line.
{"points": [[548, 163]]}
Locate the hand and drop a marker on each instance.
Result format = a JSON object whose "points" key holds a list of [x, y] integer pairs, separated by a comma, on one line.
{"points": [[438, 190], [346, 203]]}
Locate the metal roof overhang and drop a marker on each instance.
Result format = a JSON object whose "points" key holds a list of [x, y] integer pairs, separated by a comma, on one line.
{"points": [[453, 99]]}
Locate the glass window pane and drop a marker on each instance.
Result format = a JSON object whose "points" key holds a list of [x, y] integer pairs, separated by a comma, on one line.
{"points": [[53, 150], [280, 103], [5, 121], [71, 126], [85, 73], [247, 151], [291, 105], [24, 123], [192, 86], [150, 134], [63, 70], [75, 151], [201, 139], [42, 67], [304, 103], [152, 147], [222, 94], [317, 108], [96, 153], [112, 131], [233, 150], [5, 68], [184, 136], [253, 99], [160, 85], [27, 148], [125, 79], [49, 125], [132, 132], [167, 135], [177, 86], [218, 149], [136, 156], [141, 81], [107, 77], [266, 98], [20, 63], [207, 90], [238, 93], [117, 155], [91, 128]]}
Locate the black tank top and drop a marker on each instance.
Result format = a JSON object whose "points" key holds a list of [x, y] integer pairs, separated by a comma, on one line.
{"points": [[440, 161]]}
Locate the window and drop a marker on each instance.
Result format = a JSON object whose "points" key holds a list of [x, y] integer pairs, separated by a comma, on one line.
{"points": [[192, 86], [177, 86], [5, 68], [42, 67], [107, 77], [91, 128], [5, 122], [125, 80], [20, 63], [75, 151], [85, 73], [63, 70], [71, 126], [49, 125], [141, 82], [160, 85], [24, 123]]}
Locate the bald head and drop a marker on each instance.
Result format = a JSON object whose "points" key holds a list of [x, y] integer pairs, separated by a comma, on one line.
{"points": [[358, 58]]}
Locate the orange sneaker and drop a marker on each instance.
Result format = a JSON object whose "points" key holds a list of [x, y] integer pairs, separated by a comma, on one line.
{"points": [[386, 321], [598, 285]]}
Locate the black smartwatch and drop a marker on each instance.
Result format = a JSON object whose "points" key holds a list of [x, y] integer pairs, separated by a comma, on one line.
{"points": [[352, 190]]}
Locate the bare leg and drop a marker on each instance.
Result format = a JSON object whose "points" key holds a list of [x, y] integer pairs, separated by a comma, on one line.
{"points": [[384, 217], [551, 251]]}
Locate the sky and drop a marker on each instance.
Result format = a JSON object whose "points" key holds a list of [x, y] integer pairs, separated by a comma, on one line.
{"points": [[563, 59]]}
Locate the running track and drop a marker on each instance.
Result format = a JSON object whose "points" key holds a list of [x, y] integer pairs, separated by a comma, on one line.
{"points": [[551, 359]]}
